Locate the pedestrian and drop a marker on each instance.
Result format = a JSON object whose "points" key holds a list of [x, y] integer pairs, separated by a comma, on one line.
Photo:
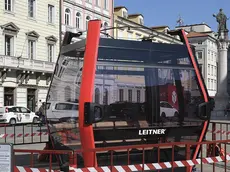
{"points": [[42, 112]]}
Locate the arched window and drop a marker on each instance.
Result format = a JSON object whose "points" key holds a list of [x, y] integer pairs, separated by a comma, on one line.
{"points": [[97, 95], [67, 16], [78, 20], [67, 93], [106, 26], [105, 97], [86, 22]]}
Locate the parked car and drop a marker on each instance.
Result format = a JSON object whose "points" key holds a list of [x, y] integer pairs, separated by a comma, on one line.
{"points": [[17, 114], [167, 110], [62, 111]]}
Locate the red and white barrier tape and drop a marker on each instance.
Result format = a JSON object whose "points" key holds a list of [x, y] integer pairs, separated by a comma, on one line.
{"points": [[24, 135], [75, 137], [138, 167], [219, 132], [27, 169]]}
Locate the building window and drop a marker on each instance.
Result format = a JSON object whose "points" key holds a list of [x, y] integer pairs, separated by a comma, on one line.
{"points": [[130, 36], [130, 95], [200, 67], [9, 5], [97, 3], [86, 22], [120, 34], [208, 83], [68, 93], [200, 42], [212, 84], [124, 13], [212, 70], [141, 21], [9, 43], [215, 71], [105, 97], [50, 13], [97, 95], [31, 102], [31, 8], [50, 52], [208, 69], [106, 26], [8, 96], [78, 16], [121, 95], [138, 96], [106, 4], [67, 17], [31, 49], [199, 55]]}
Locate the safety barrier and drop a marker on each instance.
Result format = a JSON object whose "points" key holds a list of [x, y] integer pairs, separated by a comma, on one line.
{"points": [[141, 167], [201, 161], [23, 135], [28, 133], [219, 130], [34, 133]]}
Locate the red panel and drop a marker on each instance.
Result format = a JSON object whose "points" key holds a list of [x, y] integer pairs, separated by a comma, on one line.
{"points": [[87, 87], [202, 89], [168, 93], [172, 96]]}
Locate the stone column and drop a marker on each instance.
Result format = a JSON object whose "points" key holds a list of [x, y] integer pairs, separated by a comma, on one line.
{"points": [[222, 97]]}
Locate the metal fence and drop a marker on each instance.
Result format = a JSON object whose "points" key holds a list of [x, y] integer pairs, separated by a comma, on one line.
{"points": [[207, 161], [218, 135], [19, 134]]}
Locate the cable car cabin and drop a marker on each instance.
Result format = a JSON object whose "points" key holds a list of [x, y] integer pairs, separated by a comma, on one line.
{"points": [[108, 92]]}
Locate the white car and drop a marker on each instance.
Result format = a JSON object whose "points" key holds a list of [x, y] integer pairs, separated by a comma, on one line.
{"points": [[62, 110], [166, 110], [17, 114]]}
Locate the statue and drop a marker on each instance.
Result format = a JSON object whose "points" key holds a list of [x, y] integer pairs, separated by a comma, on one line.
{"points": [[221, 18]]}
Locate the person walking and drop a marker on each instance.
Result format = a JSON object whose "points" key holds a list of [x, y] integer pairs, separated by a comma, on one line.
{"points": [[42, 112]]}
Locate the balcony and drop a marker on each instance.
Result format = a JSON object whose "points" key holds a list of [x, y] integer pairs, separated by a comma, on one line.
{"points": [[26, 64]]}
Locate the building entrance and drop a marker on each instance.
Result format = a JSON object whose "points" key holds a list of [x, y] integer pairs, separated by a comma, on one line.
{"points": [[31, 96], [8, 96]]}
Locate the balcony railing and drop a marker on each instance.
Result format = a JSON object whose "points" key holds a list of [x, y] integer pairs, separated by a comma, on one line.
{"points": [[26, 64]]}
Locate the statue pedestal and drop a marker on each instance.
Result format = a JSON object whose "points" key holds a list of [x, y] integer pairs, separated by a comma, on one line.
{"points": [[222, 97]]}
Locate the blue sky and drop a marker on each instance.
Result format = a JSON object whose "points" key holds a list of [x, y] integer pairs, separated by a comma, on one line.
{"points": [[162, 13]]}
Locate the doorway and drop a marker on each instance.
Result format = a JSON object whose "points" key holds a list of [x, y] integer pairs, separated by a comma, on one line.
{"points": [[8, 96], [31, 96]]}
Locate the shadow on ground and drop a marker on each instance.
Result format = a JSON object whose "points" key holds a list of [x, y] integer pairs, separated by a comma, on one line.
{"points": [[26, 160]]}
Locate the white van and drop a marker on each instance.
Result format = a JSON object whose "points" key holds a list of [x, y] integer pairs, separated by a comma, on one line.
{"points": [[63, 111], [17, 114]]}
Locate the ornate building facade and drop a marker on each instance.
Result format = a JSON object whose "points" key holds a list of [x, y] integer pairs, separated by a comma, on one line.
{"points": [[77, 14], [204, 40], [29, 44]]}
